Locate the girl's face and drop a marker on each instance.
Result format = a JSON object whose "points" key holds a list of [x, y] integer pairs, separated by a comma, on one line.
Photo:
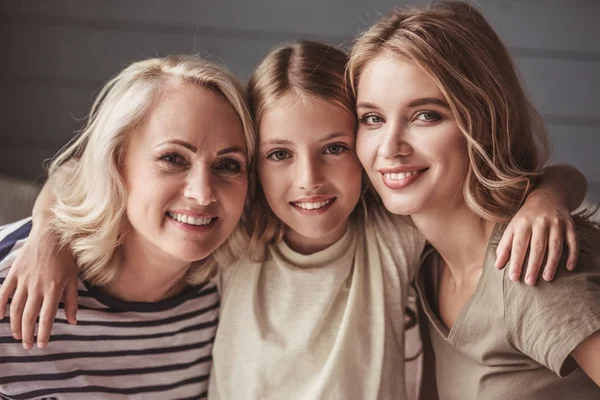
{"points": [[308, 169], [408, 139], [185, 170]]}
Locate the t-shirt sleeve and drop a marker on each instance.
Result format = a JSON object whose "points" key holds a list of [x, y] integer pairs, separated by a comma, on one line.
{"points": [[546, 322], [12, 237]]}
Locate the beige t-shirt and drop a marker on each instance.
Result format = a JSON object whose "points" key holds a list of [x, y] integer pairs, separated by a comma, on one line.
{"points": [[324, 326], [512, 341]]}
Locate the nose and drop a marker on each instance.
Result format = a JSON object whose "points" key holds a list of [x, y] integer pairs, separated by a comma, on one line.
{"points": [[394, 143], [199, 186], [309, 173]]}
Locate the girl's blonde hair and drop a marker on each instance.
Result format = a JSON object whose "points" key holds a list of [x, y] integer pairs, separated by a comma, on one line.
{"points": [[506, 139], [91, 198], [313, 71]]}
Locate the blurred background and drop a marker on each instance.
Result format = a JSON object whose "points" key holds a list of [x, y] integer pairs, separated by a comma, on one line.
{"points": [[57, 53]]}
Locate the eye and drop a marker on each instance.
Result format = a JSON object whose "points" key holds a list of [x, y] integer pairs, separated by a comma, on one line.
{"points": [[229, 166], [371, 119], [428, 116], [278, 155], [173, 159], [335, 149]]}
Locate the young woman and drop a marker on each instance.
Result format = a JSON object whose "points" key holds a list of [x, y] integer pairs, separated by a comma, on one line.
{"points": [[160, 184], [316, 310], [447, 135]]}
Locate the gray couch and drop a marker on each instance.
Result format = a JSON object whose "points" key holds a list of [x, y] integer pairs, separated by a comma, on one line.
{"points": [[16, 199]]}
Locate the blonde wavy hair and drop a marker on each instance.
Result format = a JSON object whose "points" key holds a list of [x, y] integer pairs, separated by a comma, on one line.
{"points": [[89, 213], [314, 71], [506, 139]]}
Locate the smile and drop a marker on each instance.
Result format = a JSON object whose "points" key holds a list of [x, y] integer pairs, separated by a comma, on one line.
{"points": [[189, 220], [313, 205], [400, 175], [400, 180]]}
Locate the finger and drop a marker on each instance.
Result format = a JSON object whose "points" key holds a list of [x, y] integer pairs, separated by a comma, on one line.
{"points": [[47, 316], [71, 300], [504, 247], [6, 290], [537, 250], [572, 243], [30, 314], [518, 251], [555, 248], [16, 312]]}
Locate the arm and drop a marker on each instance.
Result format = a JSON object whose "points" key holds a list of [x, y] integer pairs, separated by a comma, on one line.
{"points": [[543, 224], [40, 275], [587, 355]]}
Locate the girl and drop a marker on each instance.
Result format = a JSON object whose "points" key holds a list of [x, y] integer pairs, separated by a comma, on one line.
{"points": [[440, 102], [316, 310], [159, 184]]}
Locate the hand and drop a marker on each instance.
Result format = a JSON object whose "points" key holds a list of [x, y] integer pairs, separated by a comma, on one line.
{"points": [[543, 224], [38, 278]]}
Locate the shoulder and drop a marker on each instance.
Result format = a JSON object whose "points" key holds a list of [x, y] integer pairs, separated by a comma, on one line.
{"points": [[547, 321], [386, 224]]}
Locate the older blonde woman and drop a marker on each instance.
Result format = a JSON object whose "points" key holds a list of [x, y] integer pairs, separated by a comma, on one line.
{"points": [[159, 187]]}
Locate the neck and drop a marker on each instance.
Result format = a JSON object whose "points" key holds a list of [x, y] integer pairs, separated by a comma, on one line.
{"points": [[459, 235], [307, 245], [146, 274]]}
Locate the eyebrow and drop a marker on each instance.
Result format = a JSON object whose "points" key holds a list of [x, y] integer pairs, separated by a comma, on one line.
{"points": [[232, 149], [415, 103], [330, 136], [194, 149], [180, 143], [429, 100]]}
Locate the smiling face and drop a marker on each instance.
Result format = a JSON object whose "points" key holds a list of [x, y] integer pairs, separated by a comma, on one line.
{"points": [[185, 171], [408, 139], [308, 168]]}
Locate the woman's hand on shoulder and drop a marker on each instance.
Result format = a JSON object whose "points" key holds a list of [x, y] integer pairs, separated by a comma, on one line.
{"points": [[41, 274], [543, 225]]}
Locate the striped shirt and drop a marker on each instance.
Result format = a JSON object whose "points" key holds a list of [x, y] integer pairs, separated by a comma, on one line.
{"points": [[117, 349]]}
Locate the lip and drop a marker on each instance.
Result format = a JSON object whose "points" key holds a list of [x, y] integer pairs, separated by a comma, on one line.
{"points": [[313, 199], [401, 169], [195, 214], [396, 184]]}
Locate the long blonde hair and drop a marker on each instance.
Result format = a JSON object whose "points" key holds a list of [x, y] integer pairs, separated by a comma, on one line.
{"points": [[313, 71], [89, 214], [506, 139]]}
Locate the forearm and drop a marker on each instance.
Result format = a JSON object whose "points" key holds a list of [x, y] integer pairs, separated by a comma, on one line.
{"points": [[564, 184]]}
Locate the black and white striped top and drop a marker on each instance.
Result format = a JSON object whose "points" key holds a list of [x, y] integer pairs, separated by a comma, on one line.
{"points": [[117, 349]]}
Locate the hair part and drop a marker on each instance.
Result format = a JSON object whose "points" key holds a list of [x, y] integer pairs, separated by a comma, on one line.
{"points": [[90, 209]]}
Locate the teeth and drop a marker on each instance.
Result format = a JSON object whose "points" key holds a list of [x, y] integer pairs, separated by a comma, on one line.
{"points": [[186, 219], [401, 175], [313, 206]]}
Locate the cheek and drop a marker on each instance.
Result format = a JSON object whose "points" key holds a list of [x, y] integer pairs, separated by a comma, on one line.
{"points": [[365, 149]]}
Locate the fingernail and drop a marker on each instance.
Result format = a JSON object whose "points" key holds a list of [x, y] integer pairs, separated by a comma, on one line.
{"points": [[514, 277], [27, 346], [529, 280], [16, 336], [547, 276], [571, 266], [41, 345]]}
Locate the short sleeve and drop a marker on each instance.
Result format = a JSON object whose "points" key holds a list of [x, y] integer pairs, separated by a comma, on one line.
{"points": [[12, 237], [546, 322]]}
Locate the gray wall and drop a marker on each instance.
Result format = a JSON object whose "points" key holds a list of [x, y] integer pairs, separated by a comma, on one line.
{"points": [[57, 53]]}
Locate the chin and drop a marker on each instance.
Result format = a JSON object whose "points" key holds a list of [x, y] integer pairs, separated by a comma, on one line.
{"points": [[401, 206]]}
